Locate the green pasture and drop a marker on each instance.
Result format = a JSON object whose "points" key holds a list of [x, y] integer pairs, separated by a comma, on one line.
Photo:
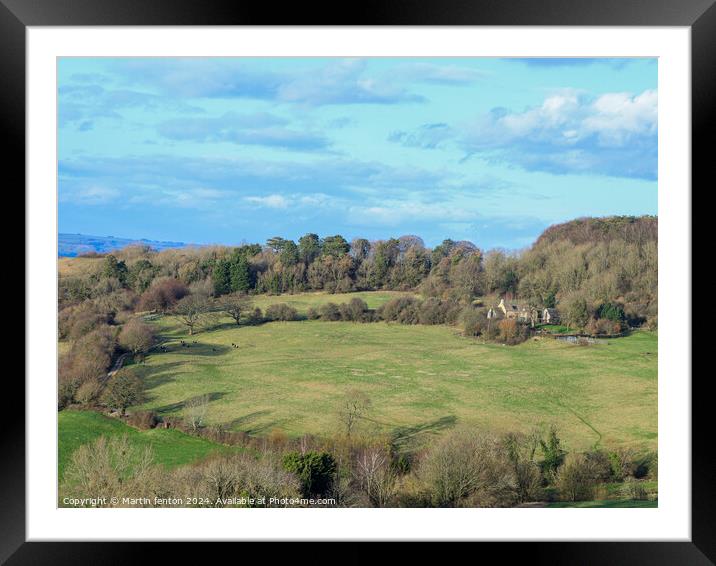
{"points": [[303, 301], [169, 446], [293, 377]]}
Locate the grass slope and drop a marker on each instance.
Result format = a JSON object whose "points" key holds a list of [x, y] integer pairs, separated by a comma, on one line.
{"points": [[170, 447], [301, 302], [292, 376]]}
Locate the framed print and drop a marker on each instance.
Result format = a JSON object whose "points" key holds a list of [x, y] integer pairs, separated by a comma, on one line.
{"points": [[424, 275]]}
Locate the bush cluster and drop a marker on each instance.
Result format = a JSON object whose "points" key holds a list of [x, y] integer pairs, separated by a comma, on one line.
{"points": [[280, 311], [87, 362], [462, 468]]}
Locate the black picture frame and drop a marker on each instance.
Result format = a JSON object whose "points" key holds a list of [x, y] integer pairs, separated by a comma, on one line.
{"points": [[699, 15]]}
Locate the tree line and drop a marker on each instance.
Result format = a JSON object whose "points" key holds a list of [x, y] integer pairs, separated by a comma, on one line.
{"points": [[599, 261]]}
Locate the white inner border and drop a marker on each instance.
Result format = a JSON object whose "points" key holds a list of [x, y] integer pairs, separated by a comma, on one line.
{"points": [[671, 521]]}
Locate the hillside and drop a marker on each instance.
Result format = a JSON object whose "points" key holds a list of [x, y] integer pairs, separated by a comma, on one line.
{"points": [[598, 260], [630, 229], [71, 245]]}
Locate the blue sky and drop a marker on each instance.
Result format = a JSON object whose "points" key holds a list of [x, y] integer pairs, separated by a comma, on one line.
{"points": [[226, 150]]}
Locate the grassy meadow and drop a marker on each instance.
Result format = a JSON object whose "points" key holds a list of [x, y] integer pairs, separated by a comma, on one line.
{"points": [[170, 447], [292, 376], [302, 302]]}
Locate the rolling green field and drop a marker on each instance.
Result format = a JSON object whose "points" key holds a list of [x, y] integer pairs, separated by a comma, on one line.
{"points": [[302, 302], [292, 376], [169, 446]]}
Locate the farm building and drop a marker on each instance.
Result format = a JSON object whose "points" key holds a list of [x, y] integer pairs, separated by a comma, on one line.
{"points": [[550, 316], [509, 310], [524, 313], [520, 313]]}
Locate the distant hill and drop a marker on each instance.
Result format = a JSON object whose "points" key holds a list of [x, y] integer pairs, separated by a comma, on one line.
{"points": [[72, 245]]}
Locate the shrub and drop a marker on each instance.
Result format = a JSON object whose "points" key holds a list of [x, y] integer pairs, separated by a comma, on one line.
{"points": [[465, 468], [401, 309], [88, 360], [375, 475], [576, 478], [433, 311], [240, 475], [123, 389], [512, 332], [357, 310], [491, 332], [611, 311], [143, 420], [277, 438], [623, 463], [255, 316], [162, 295], [576, 312], [282, 312], [634, 489], [195, 410], [330, 312], [603, 326], [312, 314], [473, 321], [521, 452], [601, 464], [66, 391], [76, 321], [88, 392], [553, 454], [136, 336], [113, 467], [315, 471]]}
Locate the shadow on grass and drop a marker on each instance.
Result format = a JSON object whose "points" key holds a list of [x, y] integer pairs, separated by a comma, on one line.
{"points": [[156, 376], [247, 423], [191, 347], [405, 436], [173, 407]]}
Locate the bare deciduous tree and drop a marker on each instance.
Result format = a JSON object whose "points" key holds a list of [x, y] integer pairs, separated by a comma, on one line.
{"points": [[123, 390], [88, 391], [111, 468], [375, 476], [355, 405], [235, 305], [471, 469], [190, 310], [195, 411], [136, 336]]}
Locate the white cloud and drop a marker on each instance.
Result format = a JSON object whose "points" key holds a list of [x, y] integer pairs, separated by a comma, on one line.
{"points": [[568, 118], [91, 195], [270, 201], [612, 134], [617, 116], [342, 82], [394, 213], [312, 200]]}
